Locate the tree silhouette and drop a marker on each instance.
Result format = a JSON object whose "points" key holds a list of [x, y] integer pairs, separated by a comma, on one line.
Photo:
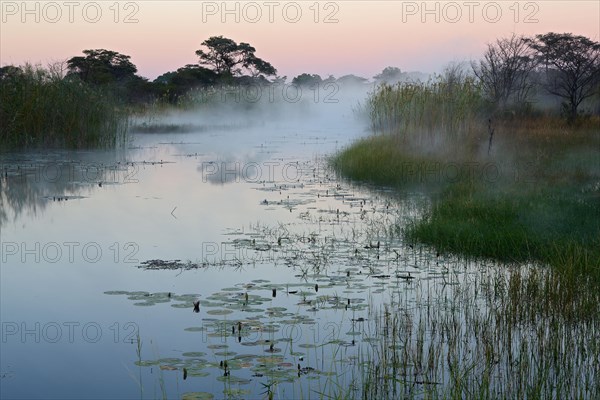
{"points": [[229, 59], [307, 79], [571, 65], [505, 69], [100, 66], [389, 75]]}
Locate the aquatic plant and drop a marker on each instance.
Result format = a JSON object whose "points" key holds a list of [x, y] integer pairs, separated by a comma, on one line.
{"points": [[40, 108]]}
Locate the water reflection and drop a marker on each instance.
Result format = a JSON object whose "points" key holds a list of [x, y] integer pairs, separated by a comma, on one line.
{"points": [[29, 183], [151, 201]]}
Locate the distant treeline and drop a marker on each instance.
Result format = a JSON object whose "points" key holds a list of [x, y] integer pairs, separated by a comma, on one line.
{"points": [[513, 73]]}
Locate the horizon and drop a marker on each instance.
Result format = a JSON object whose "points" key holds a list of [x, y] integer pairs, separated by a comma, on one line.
{"points": [[327, 39]]}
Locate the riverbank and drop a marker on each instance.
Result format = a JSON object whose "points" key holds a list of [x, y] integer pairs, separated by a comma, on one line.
{"points": [[534, 197]]}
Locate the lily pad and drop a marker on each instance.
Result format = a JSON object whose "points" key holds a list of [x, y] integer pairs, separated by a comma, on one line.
{"points": [[236, 392], [145, 363], [219, 312], [183, 305], [144, 304], [225, 353], [197, 373], [197, 396], [217, 346], [231, 289], [169, 360], [234, 379], [194, 329], [194, 354]]}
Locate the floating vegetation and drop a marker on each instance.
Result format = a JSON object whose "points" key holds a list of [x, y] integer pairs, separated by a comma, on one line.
{"points": [[197, 396], [195, 329], [194, 354], [365, 314], [165, 264]]}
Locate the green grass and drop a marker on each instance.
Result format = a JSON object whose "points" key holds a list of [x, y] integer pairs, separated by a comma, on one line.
{"points": [[558, 229], [39, 108], [386, 160]]}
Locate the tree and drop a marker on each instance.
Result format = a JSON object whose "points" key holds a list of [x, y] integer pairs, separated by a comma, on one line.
{"points": [[504, 71], [307, 80], [229, 59], [100, 66], [58, 68], [174, 84], [389, 75], [9, 72], [192, 75], [571, 65], [329, 79], [351, 79]]}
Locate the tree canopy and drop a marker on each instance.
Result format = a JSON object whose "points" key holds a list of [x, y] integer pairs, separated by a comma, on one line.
{"points": [[174, 84], [389, 75], [307, 79], [229, 59], [100, 66], [571, 64]]}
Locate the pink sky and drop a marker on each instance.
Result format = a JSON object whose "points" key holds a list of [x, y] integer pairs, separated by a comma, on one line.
{"points": [[359, 37]]}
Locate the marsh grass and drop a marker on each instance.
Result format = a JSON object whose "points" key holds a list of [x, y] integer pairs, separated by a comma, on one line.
{"points": [[534, 194], [40, 108], [388, 161], [521, 189], [495, 335], [559, 229], [449, 105]]}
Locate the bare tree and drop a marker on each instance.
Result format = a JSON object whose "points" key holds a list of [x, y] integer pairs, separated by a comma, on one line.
{"points": [[58, 68], [504, 71], [455, 74], [571, 65]]}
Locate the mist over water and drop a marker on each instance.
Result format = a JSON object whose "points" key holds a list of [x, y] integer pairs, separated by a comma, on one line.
{"points": [[218, 254], [75, 224]]}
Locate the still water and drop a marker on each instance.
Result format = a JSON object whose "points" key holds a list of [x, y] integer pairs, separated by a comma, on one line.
{"points": [[230, 262], [80, 316]]}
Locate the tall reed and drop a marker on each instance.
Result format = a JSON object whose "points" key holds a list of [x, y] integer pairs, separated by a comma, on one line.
{"points": [[451, 106], [40, 108]]}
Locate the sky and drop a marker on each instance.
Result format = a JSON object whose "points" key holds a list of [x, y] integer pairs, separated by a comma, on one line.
{"points": [[324, 37]]}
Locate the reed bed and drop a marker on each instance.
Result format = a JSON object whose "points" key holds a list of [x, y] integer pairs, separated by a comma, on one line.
{"points": [[490, 335], [527, 327], [515, 188], [39, 108], [451, 106]]}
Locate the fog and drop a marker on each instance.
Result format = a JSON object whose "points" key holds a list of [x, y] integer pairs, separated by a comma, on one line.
{"points": [[228, 106], [261, 115]]}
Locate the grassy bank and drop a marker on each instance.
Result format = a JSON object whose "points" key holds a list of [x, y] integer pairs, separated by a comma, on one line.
{"points": [[39, 108], [556, 228], [533, 194]]}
